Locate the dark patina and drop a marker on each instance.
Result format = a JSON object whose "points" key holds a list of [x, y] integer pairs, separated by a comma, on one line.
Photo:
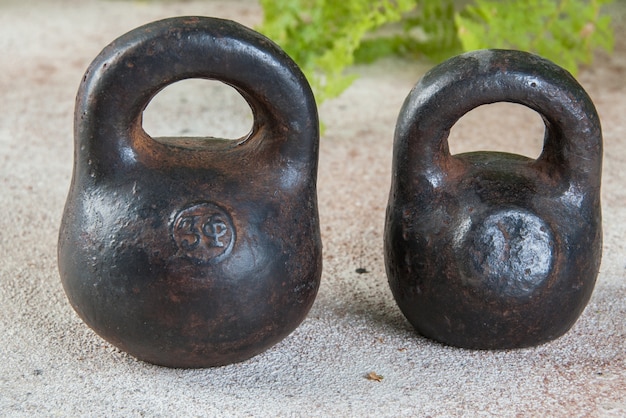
{"points": [[192, 252], [493, 250]]}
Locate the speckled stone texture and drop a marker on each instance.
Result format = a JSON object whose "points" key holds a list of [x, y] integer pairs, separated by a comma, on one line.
{"points": [[51, 363]]}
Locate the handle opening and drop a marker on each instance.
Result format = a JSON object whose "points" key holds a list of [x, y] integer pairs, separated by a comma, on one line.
{"points": [[500, 127], [191, 112]]}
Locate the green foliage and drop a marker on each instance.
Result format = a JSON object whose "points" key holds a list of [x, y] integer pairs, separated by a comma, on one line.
{"points": [[322, 35], [326, 36], [564, 31], [429, 29]]}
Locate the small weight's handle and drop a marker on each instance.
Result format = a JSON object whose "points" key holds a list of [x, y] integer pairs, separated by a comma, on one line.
{"points": [[129, 72], [573, 139]]}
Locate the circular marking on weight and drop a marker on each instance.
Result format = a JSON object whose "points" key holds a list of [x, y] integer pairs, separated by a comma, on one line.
{"points": [[511, 252], [203, 232]]}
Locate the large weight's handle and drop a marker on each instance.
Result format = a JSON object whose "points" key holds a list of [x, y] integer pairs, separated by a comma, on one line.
{"points": [[129, 72], [573, 138]]}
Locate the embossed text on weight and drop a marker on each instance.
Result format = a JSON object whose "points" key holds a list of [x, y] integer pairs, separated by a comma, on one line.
{"points": [[203, 231]]}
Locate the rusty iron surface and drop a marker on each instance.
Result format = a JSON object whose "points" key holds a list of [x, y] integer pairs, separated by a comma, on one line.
{"points": [[187, 254], [491, 250]]}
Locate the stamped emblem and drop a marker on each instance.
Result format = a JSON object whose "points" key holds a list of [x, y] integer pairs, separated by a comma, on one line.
{"points": [[512, 251], [204, 232]]}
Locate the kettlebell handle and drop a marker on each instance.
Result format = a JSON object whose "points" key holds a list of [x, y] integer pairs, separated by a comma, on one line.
{"points": [[128, 73], [573, 140]]}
